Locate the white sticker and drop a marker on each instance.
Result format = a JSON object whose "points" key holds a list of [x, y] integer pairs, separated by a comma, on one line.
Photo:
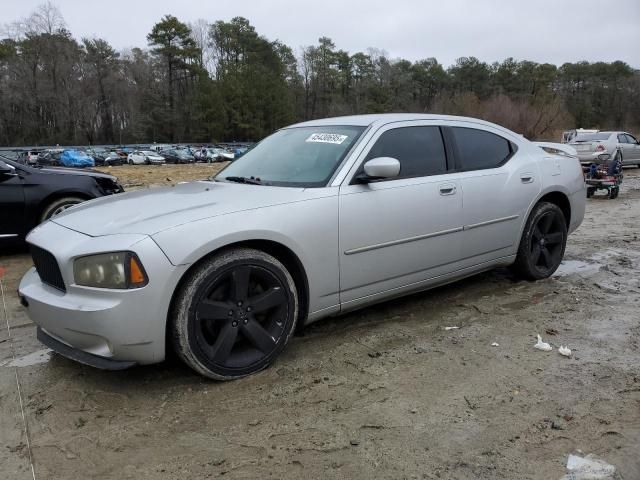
{"points": [[327, 138]]}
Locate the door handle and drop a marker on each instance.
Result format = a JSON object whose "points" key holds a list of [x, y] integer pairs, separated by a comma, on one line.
{"points": [[447, 189], [526, 178]]}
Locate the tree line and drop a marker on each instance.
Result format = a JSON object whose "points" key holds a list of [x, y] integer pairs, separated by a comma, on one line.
{"points": [[223, 81]]}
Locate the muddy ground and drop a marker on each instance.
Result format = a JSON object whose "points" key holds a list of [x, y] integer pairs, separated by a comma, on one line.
{"points": [[386, 392]]}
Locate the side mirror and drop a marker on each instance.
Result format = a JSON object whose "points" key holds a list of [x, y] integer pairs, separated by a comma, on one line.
{"points": [[379, 168], [6, 169]]}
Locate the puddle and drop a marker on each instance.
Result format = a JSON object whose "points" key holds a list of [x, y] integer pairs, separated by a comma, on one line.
{"points": [[569, 267], [41, 356]]}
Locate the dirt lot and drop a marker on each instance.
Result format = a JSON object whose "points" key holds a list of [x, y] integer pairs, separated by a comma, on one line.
{"points": [[142, 176], [386, 392]]}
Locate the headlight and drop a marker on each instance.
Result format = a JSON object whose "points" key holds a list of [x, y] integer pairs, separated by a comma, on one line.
{"points": [[110, 270]]}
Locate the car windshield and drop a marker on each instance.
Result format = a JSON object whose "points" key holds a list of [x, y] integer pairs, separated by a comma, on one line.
{"points": [[296, 157], [590, 137]]}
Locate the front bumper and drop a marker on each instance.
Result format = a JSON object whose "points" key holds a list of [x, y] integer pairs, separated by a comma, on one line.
{"points": [[113, 325], [80, 356]]}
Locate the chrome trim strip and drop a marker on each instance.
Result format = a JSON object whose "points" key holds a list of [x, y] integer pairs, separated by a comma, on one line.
{"points": [[7, 235], [401, 241], [490, 222]]}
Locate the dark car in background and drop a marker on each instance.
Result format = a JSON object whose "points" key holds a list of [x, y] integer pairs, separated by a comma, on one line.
{"points": [[174, 155], [49, 157], [31, 195], [104, 157]]}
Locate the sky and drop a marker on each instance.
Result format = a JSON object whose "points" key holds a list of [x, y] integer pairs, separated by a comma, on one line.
{"points": [[553, 31]]}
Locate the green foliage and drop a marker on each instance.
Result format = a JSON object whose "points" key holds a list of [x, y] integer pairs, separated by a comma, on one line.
{"points": [[234, 84]]}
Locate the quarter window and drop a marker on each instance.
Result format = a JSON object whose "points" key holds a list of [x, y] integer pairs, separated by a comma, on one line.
{"points": [[420, 150], [479, 149], [622, 138]]}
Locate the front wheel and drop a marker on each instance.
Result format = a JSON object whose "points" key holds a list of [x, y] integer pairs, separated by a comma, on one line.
{"points": [[543, 242], [234, 314], [58, 206]]}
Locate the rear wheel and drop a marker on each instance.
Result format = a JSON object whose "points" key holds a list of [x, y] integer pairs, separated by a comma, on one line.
{"points": [[543, 242], [590, 192], [58, 206], [234, 314], [613, 192]]}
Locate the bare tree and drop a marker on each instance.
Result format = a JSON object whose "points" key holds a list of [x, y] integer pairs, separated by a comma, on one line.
{"points": [[200, 34], [47, 18]]}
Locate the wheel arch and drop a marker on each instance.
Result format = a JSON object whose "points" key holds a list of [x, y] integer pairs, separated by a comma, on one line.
{"points": [[552, 195], [57, 195], [281, 252], [559, 199]]}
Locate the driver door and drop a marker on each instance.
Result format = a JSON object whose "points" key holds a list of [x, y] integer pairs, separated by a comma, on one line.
{"points": [[11, 205], [398, 232]]}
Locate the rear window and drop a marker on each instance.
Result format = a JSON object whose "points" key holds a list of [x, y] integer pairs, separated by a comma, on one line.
{"points": [[479, 149], [591, 137]]}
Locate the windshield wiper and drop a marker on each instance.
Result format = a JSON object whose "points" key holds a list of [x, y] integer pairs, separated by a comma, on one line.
{"points": [[247, 180]]}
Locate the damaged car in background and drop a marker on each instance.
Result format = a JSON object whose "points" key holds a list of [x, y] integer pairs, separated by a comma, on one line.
{"points": [[31, 195], [318, 219]]}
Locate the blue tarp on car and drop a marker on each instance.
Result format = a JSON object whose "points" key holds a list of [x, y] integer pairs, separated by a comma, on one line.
{"points": [[77, 159]]}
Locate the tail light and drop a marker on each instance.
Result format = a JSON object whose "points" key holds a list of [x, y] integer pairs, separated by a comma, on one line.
{"points": [[600, 148]]}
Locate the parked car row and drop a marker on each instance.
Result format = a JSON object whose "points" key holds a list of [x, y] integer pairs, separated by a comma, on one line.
{"points": [[151, 155]]}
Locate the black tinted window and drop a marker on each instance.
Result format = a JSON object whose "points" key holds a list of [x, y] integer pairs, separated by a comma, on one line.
{"points": [[420, 150], [478, 149]]}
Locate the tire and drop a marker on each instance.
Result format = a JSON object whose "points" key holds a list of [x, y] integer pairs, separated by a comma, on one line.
{"points": [[542, 244], [613, 192], [58, 206], [253, 303], [130, 162], [590, 192]]}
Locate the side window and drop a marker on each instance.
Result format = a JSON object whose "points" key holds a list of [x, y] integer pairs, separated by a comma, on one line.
{"points": [[479, 149], [631, 139], [622, 138], [420, 150]]}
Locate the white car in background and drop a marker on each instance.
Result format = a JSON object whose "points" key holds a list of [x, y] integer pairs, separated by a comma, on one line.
{"points": [[146, 157], [620, 145]]}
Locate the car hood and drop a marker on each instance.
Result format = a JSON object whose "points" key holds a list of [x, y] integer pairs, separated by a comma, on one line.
{"points": [[75, 171], [153, 210]]}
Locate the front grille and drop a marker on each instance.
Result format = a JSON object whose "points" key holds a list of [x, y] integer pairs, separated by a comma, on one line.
{"points": [[47, 268]]}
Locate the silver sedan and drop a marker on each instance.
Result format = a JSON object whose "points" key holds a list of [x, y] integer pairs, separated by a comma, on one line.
{"points": [[621, 146], [318, 219]]}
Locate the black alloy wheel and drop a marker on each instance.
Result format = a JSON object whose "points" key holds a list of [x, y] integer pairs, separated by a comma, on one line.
{"points": [[235, 314], [543, 242], [547, 241]]}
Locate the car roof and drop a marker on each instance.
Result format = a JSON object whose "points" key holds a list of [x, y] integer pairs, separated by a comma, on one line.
{"points": [[383, 118]]}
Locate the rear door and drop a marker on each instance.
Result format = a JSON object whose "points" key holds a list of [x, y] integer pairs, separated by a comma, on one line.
{"points": [[498, 185], [396, 233], [634, 148]]}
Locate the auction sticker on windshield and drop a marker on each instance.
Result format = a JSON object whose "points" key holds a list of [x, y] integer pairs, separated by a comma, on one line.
{"points": [[327, 138]]}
